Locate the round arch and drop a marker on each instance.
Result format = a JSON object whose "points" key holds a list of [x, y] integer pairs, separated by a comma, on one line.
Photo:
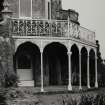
{"points": [[27, 62], [75, 64], [92, 67], [84, 54], [19, 42], [55, 64], [45, 44]]}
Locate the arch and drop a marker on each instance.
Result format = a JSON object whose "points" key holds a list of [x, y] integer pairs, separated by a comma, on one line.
{"points": [[45, 44], [92, 67], [75, 64], [19, 42], [27, 43], [55, 64], [74, 45], [84, 54], [27, 62]]}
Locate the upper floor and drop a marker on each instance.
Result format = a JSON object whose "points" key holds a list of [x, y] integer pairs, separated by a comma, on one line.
{"points": [[44, 18]]}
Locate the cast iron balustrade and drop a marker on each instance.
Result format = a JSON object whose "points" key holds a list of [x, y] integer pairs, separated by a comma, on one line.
{"points": [[50, 28]]}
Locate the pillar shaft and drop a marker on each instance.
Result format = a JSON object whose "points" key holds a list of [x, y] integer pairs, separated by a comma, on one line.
{"points": [[42, 89], [80, 84], [69, 67], [96, 76], [88, 73]]}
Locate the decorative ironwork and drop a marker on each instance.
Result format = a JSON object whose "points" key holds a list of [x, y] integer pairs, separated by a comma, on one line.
{"points": [[51, 28]]}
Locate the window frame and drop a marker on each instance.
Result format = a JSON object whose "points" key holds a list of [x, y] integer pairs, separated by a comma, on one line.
{"points": [[25, 16]]}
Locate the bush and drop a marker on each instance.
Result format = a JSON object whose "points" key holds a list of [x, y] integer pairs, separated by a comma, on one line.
{"points": [[99, 100], [2, 97], [11, 79], [86, 100]]}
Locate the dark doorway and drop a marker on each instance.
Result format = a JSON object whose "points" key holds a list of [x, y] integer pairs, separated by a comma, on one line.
{"points": [[27, 62], [55, 64], [75, 65], [92, 67], [84, 66]]}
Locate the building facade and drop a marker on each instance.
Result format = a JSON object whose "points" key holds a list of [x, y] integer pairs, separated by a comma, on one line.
{"points": [[47, 45]]}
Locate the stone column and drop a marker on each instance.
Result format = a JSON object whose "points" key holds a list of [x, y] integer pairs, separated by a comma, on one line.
{"points": [[80, 85], [42, 87], [69, 67], [88, 72], [96, 76]]}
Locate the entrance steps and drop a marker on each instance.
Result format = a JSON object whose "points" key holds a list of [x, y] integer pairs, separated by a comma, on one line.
{"points": [[26, 83]]}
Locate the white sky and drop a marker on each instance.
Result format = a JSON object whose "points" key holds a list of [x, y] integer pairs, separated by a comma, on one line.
{"points": [[91, 16]]}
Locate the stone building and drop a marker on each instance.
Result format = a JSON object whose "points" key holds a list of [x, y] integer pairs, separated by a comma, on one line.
{"points": [[46, 46]]}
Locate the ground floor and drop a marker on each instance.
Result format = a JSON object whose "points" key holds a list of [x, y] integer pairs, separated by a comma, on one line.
{"points": [[55, 64]]}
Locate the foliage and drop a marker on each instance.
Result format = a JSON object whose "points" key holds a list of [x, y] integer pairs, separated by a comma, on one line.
{"points": [[86, 100], [99, 100], [11, 79], [2, 97]]}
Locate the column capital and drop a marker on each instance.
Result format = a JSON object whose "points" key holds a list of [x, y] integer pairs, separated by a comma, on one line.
{"points": [[69, 52], [41, 50]]}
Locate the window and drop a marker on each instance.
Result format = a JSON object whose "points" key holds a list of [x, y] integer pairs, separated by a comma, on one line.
{"points": [[49, 10], [25, 8]]}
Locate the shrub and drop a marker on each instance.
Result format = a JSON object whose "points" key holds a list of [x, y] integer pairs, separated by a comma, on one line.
{"points": [[99, 100], [2, 97], [86, 100], [11, 79]]}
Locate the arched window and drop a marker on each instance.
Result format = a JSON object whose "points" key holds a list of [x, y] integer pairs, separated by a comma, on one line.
{"points": [[25, 8]]}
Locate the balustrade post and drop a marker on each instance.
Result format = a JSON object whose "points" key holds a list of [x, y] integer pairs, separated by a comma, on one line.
{"points": [[68, 26], [18, 25], [31, 26]]}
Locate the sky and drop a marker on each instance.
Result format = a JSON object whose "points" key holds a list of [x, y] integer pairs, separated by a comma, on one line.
{"points": [[91, 16]]}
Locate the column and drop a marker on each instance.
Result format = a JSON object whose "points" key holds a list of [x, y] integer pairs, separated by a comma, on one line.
{"points": [[96, 79], [69, 67], [88, 72], [42, 89], [80, 85]]}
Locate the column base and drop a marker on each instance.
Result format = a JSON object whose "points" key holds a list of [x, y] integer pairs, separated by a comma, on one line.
{"points": [[42, 90], [80, 87], [96, 84], [69, 87], [88, 86]]}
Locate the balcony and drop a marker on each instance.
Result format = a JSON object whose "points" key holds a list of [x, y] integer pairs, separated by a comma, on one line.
{"points": [[50, 28]]}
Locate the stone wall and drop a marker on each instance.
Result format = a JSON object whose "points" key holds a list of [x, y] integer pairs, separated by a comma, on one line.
{"points": [[55, 6], [6, 51], [58, 13], [14, 7]]}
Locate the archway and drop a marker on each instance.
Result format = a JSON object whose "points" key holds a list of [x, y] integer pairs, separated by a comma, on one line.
{"points": [[55, 64], [75, 64], [27, 63], [92, 67], [84, 66]]}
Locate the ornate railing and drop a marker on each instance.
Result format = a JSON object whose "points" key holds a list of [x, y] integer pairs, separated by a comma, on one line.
{"points": [[50, 28]]}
